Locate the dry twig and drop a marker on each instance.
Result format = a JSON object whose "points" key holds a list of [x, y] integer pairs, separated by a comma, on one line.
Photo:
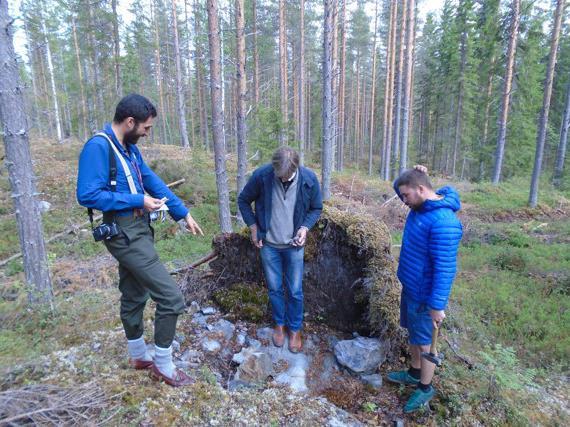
{"points": [[45, 404]]}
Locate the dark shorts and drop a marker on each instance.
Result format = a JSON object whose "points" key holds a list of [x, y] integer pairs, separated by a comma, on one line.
{"points": [[415, 317]]}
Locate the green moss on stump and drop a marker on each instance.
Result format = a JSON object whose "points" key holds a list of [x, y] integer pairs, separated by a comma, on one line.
{"points": [[246, 301]]}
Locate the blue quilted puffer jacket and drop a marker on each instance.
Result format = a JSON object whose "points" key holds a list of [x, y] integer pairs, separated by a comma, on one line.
{"points": [[428, 260]]}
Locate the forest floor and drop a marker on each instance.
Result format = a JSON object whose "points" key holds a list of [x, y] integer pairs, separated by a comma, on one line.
{"points": [[505, 339]]}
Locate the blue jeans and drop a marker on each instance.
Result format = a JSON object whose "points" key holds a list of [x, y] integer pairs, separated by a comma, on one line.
{"points": [[279, 264]]}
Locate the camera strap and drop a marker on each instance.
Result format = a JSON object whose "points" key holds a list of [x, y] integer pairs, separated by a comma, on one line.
{"points": [[112, 175], [128, 173]]}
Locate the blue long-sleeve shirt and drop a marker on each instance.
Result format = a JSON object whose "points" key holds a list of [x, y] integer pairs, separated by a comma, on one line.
{"points": [[94, 187]]}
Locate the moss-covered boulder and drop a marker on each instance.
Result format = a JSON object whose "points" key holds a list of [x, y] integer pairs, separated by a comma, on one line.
{"points": [[349, 281]]}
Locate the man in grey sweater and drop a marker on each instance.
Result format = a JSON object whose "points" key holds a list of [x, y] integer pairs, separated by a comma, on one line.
{"points": [[288, 203]]}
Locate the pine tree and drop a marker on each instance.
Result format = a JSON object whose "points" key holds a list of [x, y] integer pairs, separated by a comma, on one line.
{"points": [[505, 101], [218, 117], [19, 164], [543, 120]]}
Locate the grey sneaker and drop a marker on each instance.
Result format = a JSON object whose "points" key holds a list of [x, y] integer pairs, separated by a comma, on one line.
{"points": [[402, 377]]}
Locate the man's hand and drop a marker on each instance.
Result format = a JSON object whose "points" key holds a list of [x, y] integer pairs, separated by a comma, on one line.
{"points": [[421, 168], [301, 237], [151, 204], [437, 317], [192, 225], [257, 243]]}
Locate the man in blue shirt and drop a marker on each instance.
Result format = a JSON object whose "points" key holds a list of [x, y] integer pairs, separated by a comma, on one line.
{"points": [[427, 267], [124, 202], [287, 204]]}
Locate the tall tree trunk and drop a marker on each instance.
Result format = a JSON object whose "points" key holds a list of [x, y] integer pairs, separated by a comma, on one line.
{"points": [[295, 84], [117, 46], [373, 97], [460, 90], [163, 113], [561, 152], [241, 95], [398, 94], [200, 82], [170, 114], [543, 121], [408, 88], [302, 113], [80, 78], [255, 56], [36, 108], [389, 91], [20, 169], [67, 124], [485, 134], [218, 118], [283, 85], [189, 75], [96, 121], [181, 108], [45, 92], [357, 103], [505, 100], [308, 104], [334, 70], [330, 7], [52, 82], [341, 92]]}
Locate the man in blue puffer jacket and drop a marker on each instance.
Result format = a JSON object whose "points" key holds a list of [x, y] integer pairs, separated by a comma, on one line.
{"points": [[428, 263]]}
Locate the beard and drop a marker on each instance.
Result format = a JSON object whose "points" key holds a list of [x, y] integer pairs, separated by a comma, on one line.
{"points": [[131, 137]]}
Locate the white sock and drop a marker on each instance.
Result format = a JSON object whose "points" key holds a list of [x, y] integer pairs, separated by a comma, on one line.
{"points": [[137, 349], [163, 360]]}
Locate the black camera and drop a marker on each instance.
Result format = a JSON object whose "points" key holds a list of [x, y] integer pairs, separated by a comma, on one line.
{"points": [[105, 231]]}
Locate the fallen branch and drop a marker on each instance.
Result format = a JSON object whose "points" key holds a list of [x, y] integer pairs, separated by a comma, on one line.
{"points": [[74, 227], [387, 202], [212, 255], [460, 357], [176, 183]]}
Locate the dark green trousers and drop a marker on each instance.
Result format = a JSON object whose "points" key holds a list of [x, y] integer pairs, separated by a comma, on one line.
{"points": [[142, 275]]}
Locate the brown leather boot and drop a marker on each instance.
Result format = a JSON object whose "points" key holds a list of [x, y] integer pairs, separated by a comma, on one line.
{"points": [[179, 379], [295, 342], [278, 336]]}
